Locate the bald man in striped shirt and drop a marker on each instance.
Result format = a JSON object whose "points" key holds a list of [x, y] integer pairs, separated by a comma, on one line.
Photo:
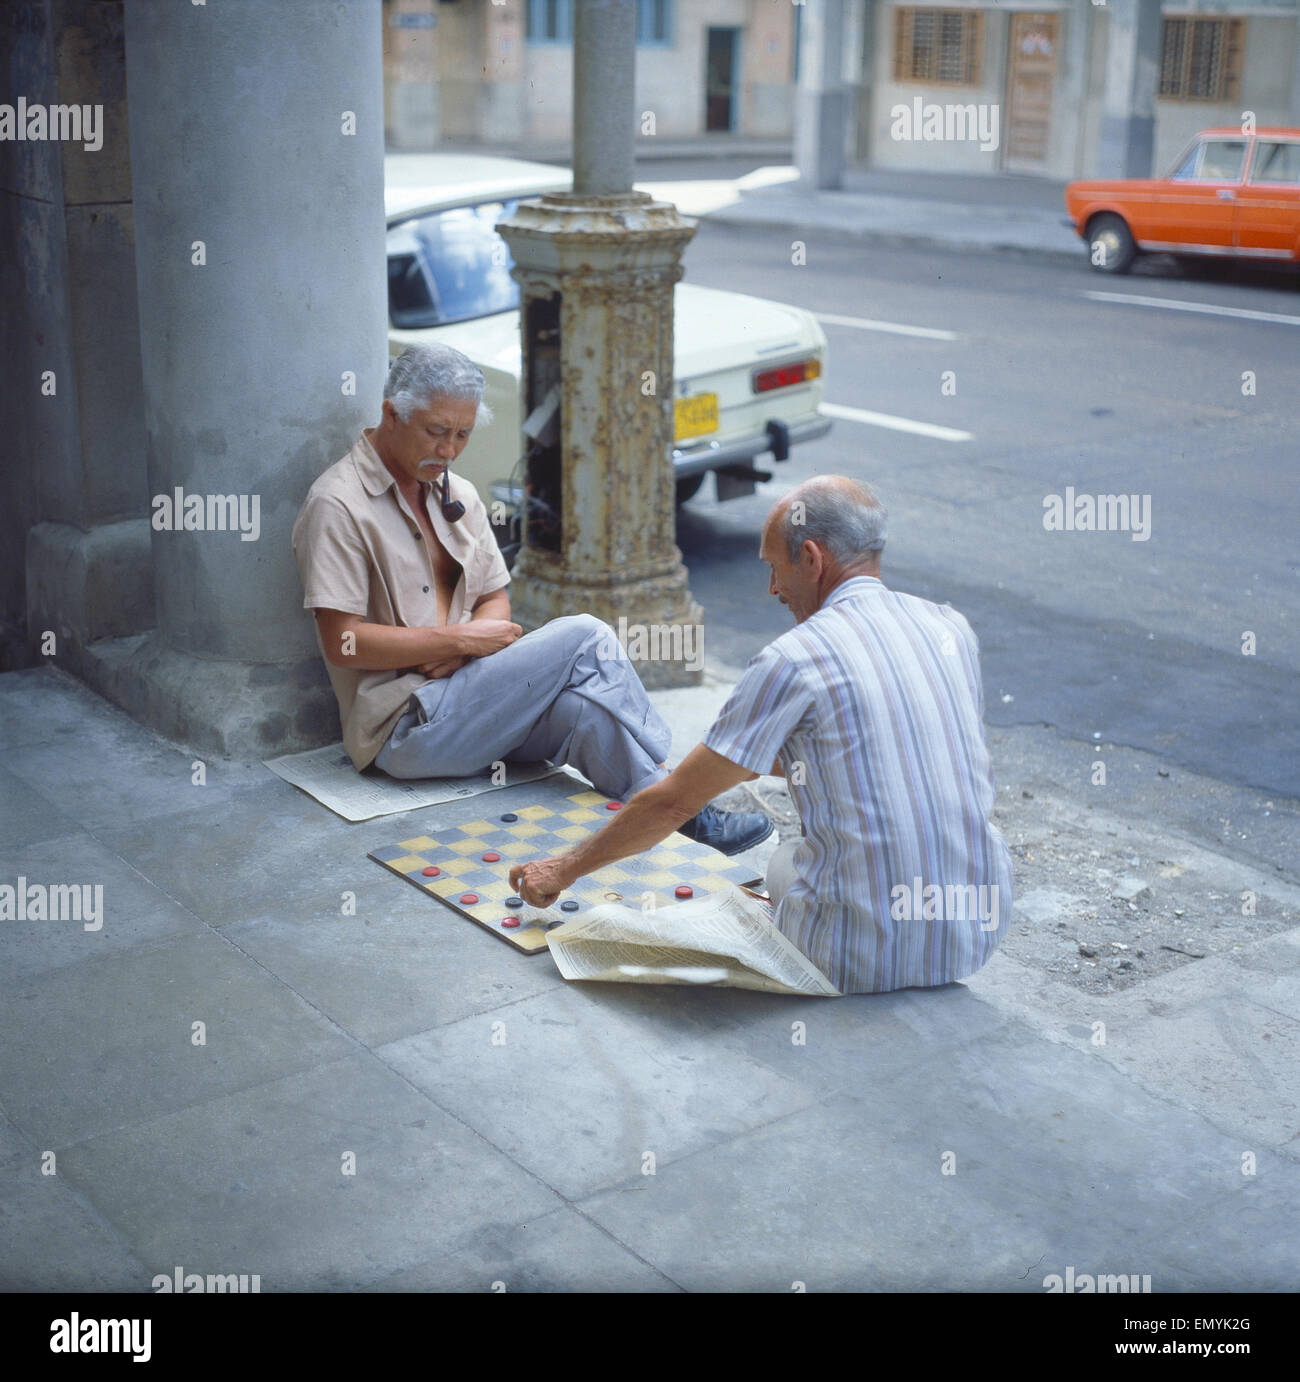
{"points": [[872, 707]]}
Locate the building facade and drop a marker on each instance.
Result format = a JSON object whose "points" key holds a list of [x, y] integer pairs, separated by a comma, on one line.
{"points": [[959, 87], [1048, 75], [474, 71]]}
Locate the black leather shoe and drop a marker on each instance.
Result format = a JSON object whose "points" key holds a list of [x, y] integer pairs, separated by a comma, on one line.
{"points": [[729, 832]]}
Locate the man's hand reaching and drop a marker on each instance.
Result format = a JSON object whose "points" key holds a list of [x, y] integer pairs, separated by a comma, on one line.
{"points": [[542, 881]]}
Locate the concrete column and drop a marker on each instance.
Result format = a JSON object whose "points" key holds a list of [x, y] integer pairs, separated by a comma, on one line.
{"points": [[505, 30], [604, 95], [1127, 138], [822, 100], [1293, 104], [411, 75], [768, 48], [257, 166], [863, 52], [599, 264], [74, 560]]}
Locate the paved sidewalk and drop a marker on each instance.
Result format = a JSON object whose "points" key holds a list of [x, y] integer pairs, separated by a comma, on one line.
{"points": [[502, 1122], [962, 211], [948, 211]]}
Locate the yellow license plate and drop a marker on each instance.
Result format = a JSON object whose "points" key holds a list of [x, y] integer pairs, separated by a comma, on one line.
{"points": [[695, 416]]}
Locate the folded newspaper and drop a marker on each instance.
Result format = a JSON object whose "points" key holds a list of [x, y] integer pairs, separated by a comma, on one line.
{"points": [[725, 939]]}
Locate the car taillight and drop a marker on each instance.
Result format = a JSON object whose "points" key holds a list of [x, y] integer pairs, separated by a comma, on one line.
{"points": [[784, 375]]}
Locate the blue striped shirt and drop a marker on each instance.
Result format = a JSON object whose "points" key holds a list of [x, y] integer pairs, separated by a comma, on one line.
{"points": [[876, 709]]}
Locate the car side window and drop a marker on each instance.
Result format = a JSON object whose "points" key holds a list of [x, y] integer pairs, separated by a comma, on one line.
{"points": [[1276, 161], [450, 266], [1222, 159], [1187, 168]]}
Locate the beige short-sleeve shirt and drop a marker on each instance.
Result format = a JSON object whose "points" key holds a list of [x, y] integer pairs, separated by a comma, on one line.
{"points": [[359, 549]]}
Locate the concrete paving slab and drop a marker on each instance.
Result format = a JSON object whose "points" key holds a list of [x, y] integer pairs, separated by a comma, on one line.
{"points": [[851, 1195], [114, 770], [1215, 1037], [13, 1145], [42, 704], [856, 1043], [561, 1252], [134, 911], [54, 1241], [1234, 1058], [403, 964], [225, 860], [587, 1082], [29, 816], [95, 1046], [254, 1182]]}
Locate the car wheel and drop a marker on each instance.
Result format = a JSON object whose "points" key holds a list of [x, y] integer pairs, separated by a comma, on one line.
{"points": [[1110, 245], [689, 487]]}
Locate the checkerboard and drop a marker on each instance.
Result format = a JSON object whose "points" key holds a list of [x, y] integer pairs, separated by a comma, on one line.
{"points": [[541, 832]]}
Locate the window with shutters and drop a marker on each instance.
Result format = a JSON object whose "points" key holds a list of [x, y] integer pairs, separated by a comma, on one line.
{"points": [[1200, 59], [937, 47]]}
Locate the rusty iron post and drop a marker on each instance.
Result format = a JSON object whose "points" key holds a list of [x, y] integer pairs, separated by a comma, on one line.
{"points": [[596, 269]]}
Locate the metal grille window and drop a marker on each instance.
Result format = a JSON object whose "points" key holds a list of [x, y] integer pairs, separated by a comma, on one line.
{"points": [[938, 47], [1200, 59]]}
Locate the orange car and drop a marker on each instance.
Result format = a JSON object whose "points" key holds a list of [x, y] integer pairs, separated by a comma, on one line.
{"points": [[1230, 193]]}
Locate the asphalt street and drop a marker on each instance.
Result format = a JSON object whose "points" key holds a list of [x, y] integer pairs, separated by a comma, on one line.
{"points": [[1133, 385]]}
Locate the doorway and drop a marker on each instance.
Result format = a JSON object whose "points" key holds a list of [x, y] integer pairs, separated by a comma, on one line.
{"points": [[1031, 71], [722, 64]]}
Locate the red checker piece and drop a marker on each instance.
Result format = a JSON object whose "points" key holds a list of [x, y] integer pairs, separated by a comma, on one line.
{"points": [[491, 857], [613, 806], [468, 899], [431, 872], [509, 921], [684, 890]]}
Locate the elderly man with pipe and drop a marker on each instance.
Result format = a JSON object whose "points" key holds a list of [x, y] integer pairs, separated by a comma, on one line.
{"points": [[433, 679], [872, 707]]}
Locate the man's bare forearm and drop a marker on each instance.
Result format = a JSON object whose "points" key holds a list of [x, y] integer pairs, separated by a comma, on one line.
{"points": [[384, 647], [649, 817], [493, 606]]}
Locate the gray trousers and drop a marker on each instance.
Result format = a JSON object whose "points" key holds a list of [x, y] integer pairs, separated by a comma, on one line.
{"points": [[561, 692]]}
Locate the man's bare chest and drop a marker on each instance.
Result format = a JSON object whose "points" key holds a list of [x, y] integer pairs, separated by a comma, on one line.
{"points": [[446, 569]]}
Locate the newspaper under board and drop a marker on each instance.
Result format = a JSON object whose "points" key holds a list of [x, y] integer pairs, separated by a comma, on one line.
{"points": [[727, 940]]}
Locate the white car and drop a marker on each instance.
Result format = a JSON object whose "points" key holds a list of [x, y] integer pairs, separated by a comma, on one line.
{"points": [[747, 372]]}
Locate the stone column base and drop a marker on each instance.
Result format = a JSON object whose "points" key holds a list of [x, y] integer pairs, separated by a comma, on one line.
{"points": [[83, 586], [659, 624], [226, 709], [94, 592]]}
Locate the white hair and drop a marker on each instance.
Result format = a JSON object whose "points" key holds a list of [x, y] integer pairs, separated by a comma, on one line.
{"points": [[423, 373], [849, 525]]}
